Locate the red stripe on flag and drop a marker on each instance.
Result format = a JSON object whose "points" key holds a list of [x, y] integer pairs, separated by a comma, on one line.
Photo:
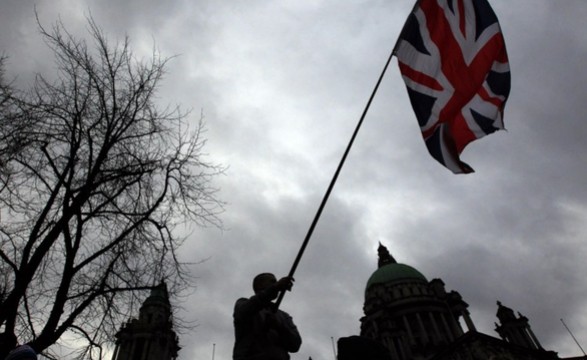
{"points": [[483, 94], [420, 77], [460, 133]]}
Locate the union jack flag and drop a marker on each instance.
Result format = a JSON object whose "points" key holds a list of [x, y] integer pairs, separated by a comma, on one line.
{"points": [[452, 57]]}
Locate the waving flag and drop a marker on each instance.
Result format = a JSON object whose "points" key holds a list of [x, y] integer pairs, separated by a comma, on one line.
{"points": [[453, 60]]}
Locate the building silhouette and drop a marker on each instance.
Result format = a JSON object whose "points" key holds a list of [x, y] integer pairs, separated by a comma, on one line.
{"points": [[407, 317], [151, 336]]}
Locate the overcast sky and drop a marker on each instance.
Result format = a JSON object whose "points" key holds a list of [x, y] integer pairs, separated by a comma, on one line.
{"points": [[282, 84]]}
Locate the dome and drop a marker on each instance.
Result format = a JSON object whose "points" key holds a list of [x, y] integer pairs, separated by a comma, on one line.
{"points": [[393, 272]]}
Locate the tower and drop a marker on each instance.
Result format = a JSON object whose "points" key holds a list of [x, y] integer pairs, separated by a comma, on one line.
{"points": [[409, 315], [515, 330], [150, 337]]}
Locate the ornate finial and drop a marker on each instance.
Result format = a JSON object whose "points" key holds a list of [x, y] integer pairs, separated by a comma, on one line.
{"points": [[504, 313], [384, 256]]}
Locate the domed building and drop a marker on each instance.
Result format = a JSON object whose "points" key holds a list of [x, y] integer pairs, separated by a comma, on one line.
{"points": [[412, 317], [408, 317]]}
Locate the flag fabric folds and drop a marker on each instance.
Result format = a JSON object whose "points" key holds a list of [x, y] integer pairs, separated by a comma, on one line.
{"points": [[453, 59]]}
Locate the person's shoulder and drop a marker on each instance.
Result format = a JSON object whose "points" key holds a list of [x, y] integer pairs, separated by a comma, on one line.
{"points": [[283, 313], [240, 301]]}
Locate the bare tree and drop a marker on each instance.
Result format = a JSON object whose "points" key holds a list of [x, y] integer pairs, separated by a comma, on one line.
{"points": [[94, 178], [9, 133]]}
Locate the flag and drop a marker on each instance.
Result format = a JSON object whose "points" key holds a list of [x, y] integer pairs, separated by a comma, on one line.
{"points": [[452, 57]]}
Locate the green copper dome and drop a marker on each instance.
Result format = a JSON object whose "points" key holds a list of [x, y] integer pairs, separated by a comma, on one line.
{"points": [[393, 272]]}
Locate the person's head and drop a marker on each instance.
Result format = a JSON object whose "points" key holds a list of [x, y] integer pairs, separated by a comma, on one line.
{"points": [[23, 352], [263, 281]]}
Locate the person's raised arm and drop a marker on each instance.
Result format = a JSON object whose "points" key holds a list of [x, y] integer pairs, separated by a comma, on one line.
{"points": [[263, 297]]}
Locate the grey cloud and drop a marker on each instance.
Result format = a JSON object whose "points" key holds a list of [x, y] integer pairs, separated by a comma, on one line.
{"points": [[282, 86]]}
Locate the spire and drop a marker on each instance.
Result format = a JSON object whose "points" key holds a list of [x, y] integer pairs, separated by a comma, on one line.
{"points": [[515, 330], [159, 294], [156, 307], [384, 256], [151, 336], [504, 313]]}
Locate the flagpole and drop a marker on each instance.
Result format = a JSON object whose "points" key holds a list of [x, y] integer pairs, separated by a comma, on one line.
{"points": [[333, 181]]}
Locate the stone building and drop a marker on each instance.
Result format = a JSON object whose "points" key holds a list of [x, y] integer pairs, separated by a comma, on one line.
{"points": [[407, 317], [151, 336]]}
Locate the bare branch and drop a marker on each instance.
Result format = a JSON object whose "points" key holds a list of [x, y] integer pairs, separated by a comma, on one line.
{"points": [[104, 176]]}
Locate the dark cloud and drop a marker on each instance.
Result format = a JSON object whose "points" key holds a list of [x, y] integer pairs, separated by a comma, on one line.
{"points": [[282, 85]]}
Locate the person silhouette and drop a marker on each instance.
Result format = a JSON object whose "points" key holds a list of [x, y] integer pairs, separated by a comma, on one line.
{"points": [[22, 352], [261, 331]]}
